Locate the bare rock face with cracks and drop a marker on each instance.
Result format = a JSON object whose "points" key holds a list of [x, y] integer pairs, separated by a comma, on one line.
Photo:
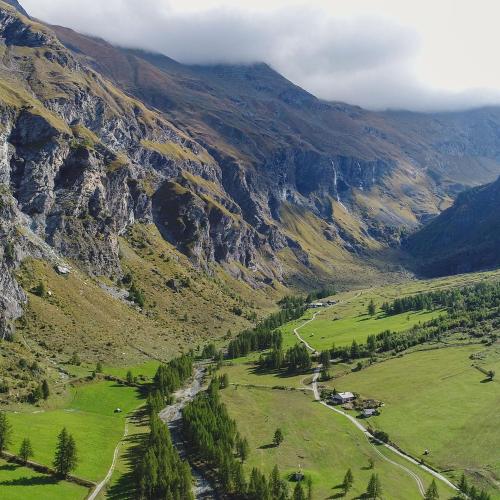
{"points": [[234, 165]]}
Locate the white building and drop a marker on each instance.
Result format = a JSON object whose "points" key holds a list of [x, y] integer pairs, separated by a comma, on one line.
{"points": [[343, 397]]}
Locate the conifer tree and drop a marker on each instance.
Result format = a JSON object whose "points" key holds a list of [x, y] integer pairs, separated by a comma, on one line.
{"points": [[278, 437], [239, 480], [257, 487], [5, 431], [371, 308], [45, 390], [348, 481], [298, 492], [432, 492], [243, 448], [278, 488], [65, 458], [26, 450], [374, 489]]}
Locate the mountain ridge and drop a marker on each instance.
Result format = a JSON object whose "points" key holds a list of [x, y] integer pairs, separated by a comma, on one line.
{"points": [[234, 165], [464, 238]]}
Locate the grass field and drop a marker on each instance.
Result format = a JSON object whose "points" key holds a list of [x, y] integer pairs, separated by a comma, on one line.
{"points": [[147, 370], [121, 486], [436, 400], [89, 416], [324, 444], [246, 373], [348, 320], [21, 483], [329, 328]]}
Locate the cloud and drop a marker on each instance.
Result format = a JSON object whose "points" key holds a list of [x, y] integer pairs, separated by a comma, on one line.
{"points": [[358, 56]]}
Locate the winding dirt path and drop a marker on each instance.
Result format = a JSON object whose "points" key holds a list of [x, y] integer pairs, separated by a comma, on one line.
{"points": [[359, 426], [296, 330], [103, 483]]}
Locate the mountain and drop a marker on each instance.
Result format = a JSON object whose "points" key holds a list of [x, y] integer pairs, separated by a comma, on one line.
{"points": [[464, 238], [248, 184], [17, 6], [88, 178], [253, 115]]}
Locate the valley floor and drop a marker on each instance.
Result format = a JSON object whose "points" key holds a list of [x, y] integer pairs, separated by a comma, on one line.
{"points": [[434, 398]]}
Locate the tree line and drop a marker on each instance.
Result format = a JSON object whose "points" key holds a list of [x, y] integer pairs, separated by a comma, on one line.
{"points": [[265, 335], [160, 472], [295, 360], [479, 296], [214, 436], [469, 309], [171, 376], [294, 301]]}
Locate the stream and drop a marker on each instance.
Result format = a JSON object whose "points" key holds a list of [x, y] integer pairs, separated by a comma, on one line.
{"points": [[172, 416]]}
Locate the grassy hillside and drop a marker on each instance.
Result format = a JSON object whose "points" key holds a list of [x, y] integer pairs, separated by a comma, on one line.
{"points": [[321, 255], [183, 308], [349, 319], [323, 444], [437, 400]]}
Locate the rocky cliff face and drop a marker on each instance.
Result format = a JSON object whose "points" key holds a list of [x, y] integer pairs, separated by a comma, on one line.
{"points": [[234, 164], [388, 169], [80, 162]]}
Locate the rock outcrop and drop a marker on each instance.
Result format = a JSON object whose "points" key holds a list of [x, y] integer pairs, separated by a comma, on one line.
{"points": [[235, 165]]}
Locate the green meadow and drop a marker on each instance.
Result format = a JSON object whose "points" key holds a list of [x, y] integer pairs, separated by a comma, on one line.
{"points": [[89, 416], [437, 400], [323, 444], [20, 483], [247, 373], [330, 327], [146, 370], [349, 320], [434, 398]]}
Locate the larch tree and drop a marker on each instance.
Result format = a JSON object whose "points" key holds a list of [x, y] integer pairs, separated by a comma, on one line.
{"points": [[65, 459], [374, 489], [5, 431], [432, 492], [278, 437], [26, 450]]}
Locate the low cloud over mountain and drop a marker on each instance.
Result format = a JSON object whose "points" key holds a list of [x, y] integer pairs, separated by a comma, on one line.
{"points": [[388, 58]]}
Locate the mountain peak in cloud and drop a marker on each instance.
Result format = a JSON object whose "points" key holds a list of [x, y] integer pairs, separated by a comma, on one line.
{"points": [[395, 57]]}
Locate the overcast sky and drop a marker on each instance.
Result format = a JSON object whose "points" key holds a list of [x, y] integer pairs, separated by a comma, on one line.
{"points": [[419, 55]]}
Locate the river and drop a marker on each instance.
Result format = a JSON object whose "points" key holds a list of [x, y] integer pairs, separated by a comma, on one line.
{"points": [[172, 416]]}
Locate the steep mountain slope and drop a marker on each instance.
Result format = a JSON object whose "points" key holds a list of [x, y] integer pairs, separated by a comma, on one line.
{"points": [[238, 169], [306, 150], [17, 6], [464, 238], [81, 163]]}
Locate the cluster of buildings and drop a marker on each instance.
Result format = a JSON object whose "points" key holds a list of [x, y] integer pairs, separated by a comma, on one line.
{"points": [[341, 398], [317, 305]]}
